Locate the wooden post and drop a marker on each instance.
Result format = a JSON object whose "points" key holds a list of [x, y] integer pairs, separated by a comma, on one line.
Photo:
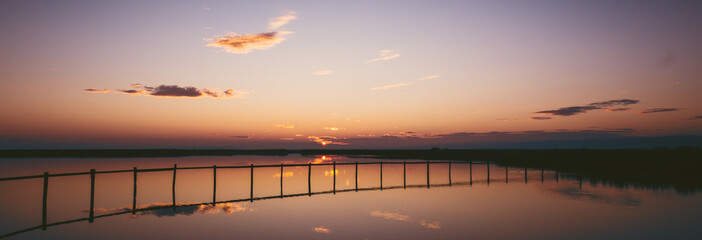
{"points": [[214, 185], [281, 180], [381, 175], [175, 166], [404, 174], [449, 169], [506, 174], [428, 174], [134, 195], [251, 198], [334, 173], [580, 181], [556, 177], [488, 172], [542, 175], [43, 206], [309, 179], [525, 175], [356, 176], [91, 217], [470, 167]]}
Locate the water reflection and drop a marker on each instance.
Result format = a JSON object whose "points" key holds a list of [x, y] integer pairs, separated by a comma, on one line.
{"points": [[253, 183]]}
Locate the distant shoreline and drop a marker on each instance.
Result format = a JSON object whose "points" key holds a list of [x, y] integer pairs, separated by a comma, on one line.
{"points": [[429, 154]]}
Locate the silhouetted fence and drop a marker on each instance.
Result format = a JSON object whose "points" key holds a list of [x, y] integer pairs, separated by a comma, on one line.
{"points": [[91, 217]]}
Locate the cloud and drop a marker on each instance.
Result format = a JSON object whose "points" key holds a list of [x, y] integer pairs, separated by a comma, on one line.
{"points": [[321, 229], [695, 117], [431, 225], [142, 91], [241, 44], [173, 91], [242, 137], [610, 103], [539, 118], [280, 125], [390, 215], [322, 72], [657, 110], [384, 56], [568, 111], [504, 119], [92, 90], [574, 110], [245, 43], [390, 86], [331, 128], [280, 21], [326, 140], [617, 109], [428, 77]]}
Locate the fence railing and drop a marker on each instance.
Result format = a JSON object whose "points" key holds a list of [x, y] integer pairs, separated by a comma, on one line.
{"points": [[135, 171]]}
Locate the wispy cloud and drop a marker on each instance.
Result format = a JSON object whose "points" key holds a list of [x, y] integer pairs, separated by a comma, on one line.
{"points": [[384, 56], [617, 109], [430, 225], [610, 103], [321, 229], [331, 128], [173, 91], [570, 111], [390, 215], [539, 118], [428, 77], [245, 43], [322, 72], [280, 21], [402, 84], [92, 90], [658, 110], [695, 117], [281, 125]]}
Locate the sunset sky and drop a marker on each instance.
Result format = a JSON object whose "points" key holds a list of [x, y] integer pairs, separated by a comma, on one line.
{"points": [[351, 74]]}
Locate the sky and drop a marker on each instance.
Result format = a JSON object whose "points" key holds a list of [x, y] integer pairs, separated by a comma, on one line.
{"points": [[345, 74]]}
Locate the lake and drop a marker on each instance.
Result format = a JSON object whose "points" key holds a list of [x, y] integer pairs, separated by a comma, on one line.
{"points": [[340, 198]]}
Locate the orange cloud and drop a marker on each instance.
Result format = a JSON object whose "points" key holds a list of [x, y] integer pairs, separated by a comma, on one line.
{"points": [[321, 229], [245, 43], [390, 215], [431, 225], [280, 125], [331, 128], [242, 44], [390, 86]]}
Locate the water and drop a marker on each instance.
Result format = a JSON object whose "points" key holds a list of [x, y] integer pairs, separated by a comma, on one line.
{"points": [[468, 204]]}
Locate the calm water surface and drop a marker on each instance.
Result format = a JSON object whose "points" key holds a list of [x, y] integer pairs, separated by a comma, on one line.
{"points": [[457, 204]]}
